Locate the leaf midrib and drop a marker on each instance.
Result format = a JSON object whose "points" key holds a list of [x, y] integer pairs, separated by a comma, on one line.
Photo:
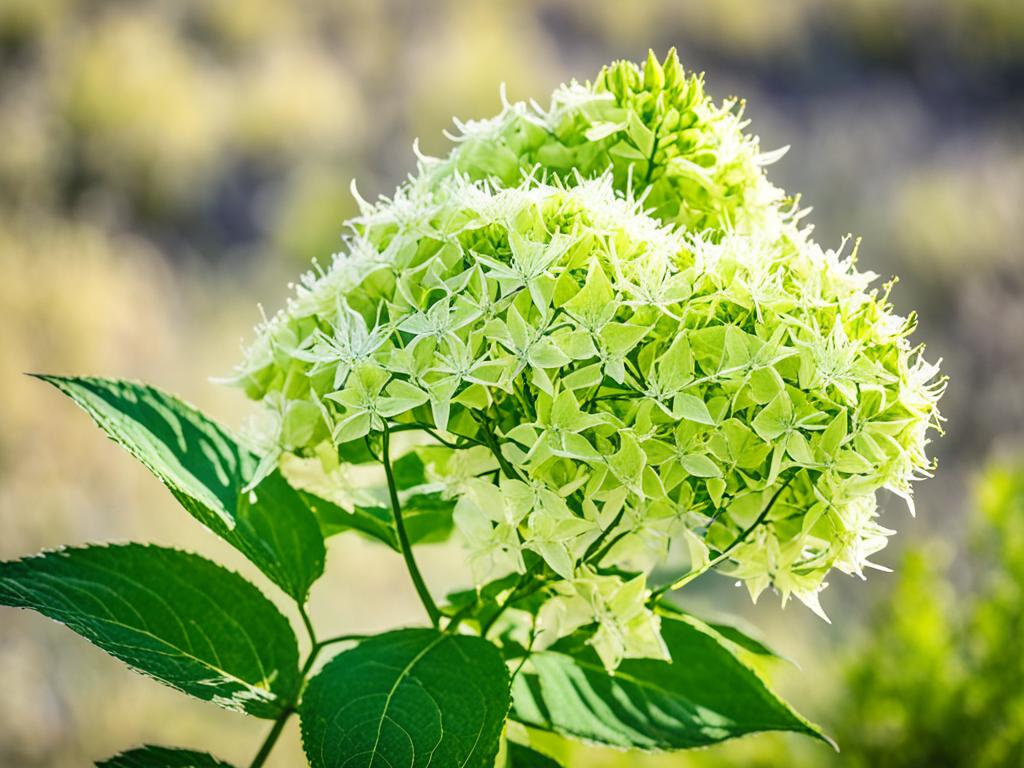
{"points": [[402, 675]]}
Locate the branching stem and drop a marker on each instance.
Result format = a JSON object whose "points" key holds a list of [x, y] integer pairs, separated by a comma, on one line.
{"points": [[282, 719], [492, 442], [595, 546], [340, 639], [724, 554], [272, 737], [288, 711], [525, 588], [432, 431]]}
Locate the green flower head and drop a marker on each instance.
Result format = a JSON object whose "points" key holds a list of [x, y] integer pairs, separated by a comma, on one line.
{"points": [[624, 340]]}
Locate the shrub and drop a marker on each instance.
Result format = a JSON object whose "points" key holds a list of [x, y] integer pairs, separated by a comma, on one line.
{"points": [[606, 332]]}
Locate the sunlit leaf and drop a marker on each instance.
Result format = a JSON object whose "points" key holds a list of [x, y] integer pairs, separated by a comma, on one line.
{"points": [[173, 616], [208, 471], [705, 695]]}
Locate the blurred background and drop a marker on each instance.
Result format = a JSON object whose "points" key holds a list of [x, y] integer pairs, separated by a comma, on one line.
{"points": [[165, 166]]}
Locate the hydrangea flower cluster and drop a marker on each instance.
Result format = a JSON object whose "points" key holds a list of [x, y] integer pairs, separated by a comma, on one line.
{"points": [[623, 338]]}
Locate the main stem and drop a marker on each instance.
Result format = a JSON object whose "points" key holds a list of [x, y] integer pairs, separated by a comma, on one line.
{"points": [[403, 536], [282, 719], [271, 740]]}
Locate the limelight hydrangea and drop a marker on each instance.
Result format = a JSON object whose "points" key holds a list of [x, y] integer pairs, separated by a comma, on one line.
{"points": [[626, 339]]}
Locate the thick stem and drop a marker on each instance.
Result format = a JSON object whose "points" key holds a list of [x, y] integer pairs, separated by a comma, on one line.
{"points": [[282, 719], [271, 740], [403, 537]]}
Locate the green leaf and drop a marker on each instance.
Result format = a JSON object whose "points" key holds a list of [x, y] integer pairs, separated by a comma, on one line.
{"points": [[706, 695], [427, 517], [410, 698], [748, 643], [521, 756], [408, 471], [743, 637], [375, 522], [171, 615], [834, 435], [355, 452], [162, 757], [775, 418], [207, 470], [594, 304]]}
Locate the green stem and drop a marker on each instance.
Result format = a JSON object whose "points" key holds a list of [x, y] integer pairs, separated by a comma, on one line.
{"points": [[600, 556], [595, 546], [441, 440], [620, 396], [282, 719], [315, 646], [527, 410], [309, 629], [529, 648], [492, 442], [517, 594], [724, 554], [432, 431], [271, 740], [654, 151], [456, 620], [403, 536]]}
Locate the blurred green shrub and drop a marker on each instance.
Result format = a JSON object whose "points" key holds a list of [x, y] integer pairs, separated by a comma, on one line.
{"points": [[941, 679]]}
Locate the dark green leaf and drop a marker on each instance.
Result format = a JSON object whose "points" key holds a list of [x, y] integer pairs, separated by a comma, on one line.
{"points": [[375, 522], [520, 756], [740, 636], [355, 452], [705, 696], [410, 698], [750, 644], [171, 615], [206, 470], [408, 471], [427, 516], [162, 757]]}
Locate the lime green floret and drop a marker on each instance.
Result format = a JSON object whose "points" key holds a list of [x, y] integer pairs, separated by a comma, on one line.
{"points": [[605, 380], [653, 128]]}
